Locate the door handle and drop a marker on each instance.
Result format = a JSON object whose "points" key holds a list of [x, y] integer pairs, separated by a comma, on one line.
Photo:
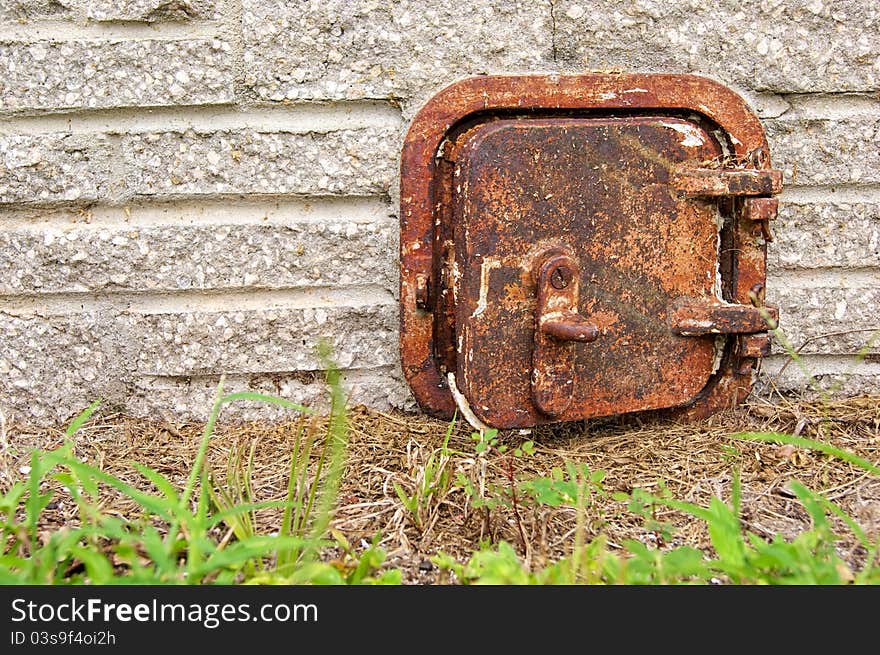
{"points": [[558, 327]]}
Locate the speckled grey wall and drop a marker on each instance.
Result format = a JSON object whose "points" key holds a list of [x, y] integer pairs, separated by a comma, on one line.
{"points": [[207, 187]]}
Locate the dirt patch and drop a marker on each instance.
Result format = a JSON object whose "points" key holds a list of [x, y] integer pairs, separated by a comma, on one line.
{"points": [[694, 461]]}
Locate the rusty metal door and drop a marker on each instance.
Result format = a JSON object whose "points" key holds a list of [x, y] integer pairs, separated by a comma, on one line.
{"points": [[577, 265]]}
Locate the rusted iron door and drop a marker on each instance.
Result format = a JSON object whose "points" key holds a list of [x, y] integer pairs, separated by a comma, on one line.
{"points": [[561, 263]]}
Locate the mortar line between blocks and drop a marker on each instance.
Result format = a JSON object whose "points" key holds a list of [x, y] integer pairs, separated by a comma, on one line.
{"points": [[101, 31], [276, 211], [299, 118], [830, 193], [193, 301], [360, 373], [822, 364], [829, 106], [825, 278]]}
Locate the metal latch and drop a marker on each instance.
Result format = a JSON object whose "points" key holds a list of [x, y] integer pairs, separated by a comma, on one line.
{"points": [[716, 182], [761, 211], [689, 317], [558, 326], [755, 184]]}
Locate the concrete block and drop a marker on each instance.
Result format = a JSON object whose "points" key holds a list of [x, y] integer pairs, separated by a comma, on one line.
{"points": [[262, 340], [52, 366], [55, 257], [825, 234], [845, 308], [22, 11], [347, 162], [191, 398], [150, 11], [821, 377], [89, 74], [826, 151], [337, 49], [785, 46], [53, 167]]}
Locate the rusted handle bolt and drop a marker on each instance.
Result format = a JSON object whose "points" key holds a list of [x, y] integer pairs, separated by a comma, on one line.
{"points": [[560, 277]]}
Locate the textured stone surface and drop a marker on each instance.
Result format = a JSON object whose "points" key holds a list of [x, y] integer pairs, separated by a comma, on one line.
{"points": [[826, 151], [52, 366], [822, 234], [351, 162], [78, 258], [850, 377], [22, 11], [852, 314], [148, 11], [258, 341], [52, 167], [143, 72], [191, 399], [83, 167], [336, 49], [152, 10], [775, 45]]}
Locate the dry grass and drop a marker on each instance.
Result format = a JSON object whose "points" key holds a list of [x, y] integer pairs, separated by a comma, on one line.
{"points": [[694, 461]]}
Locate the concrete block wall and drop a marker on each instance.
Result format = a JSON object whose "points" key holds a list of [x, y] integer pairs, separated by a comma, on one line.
{"points": [[192, 188]]}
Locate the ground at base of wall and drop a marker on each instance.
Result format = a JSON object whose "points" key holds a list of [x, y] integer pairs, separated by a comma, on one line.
{"points": [[390, 452]]}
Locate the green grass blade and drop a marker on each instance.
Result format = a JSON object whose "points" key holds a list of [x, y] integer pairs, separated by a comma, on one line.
{"points": [[287, 514], [207, 433], [98, 567], [221, 500], [241, 553], [303, 489], [319, 469], [199, 545], [246, 482], [289, 520], [154, 547], [159, 481], [736, 492], [10, 500], [812, 503], [265, 398], [154, 504], [36, 502], [854, 527], [449, 429], [791, 440], [870, 570], [224, 514], [337, 441], [726, 535], [689, 508], [80, 420], [198, 464]]}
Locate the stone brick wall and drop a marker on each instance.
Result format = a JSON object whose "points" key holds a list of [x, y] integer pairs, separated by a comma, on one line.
{"points": [[197, 187]]}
